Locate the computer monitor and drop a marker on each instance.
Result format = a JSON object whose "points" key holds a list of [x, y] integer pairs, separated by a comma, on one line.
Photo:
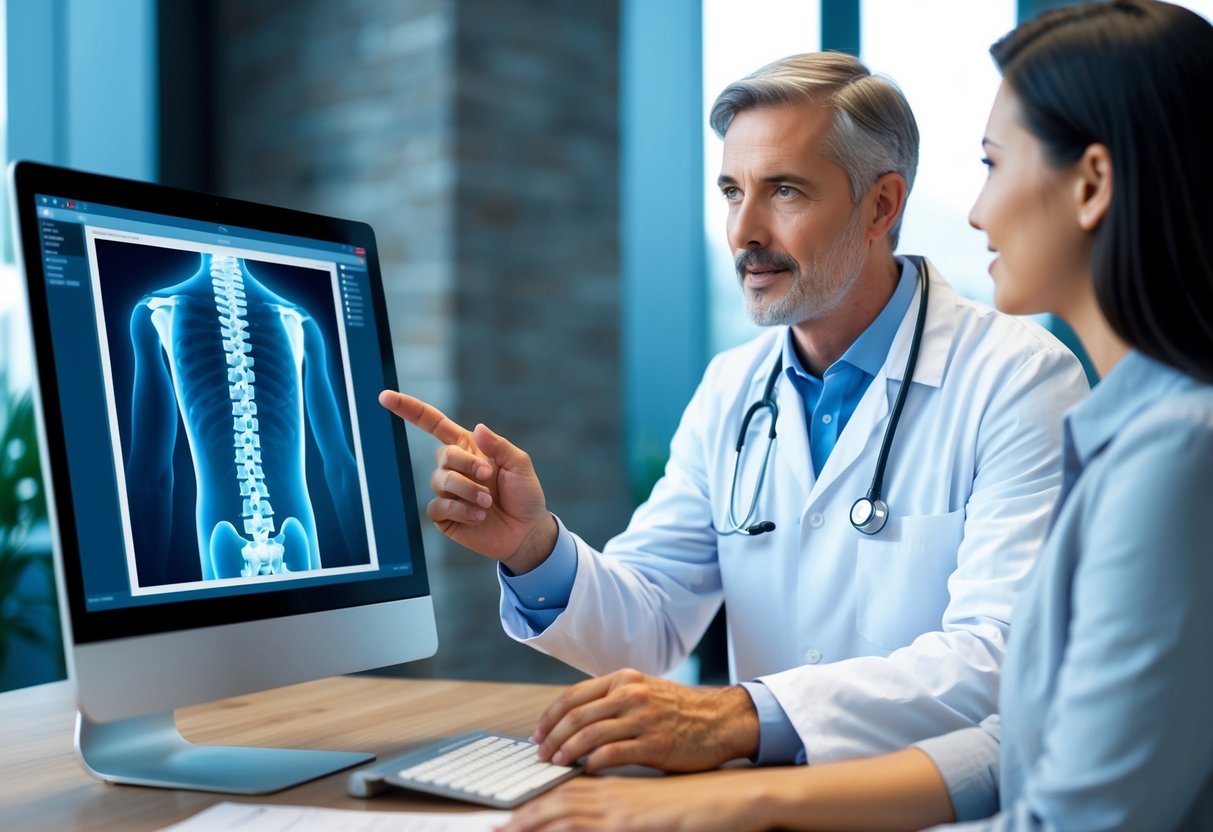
{"points": [[232, 510]]}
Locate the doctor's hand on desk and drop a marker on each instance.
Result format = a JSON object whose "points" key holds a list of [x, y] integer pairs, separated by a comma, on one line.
{"points": [[628, 717], [488, 496]]}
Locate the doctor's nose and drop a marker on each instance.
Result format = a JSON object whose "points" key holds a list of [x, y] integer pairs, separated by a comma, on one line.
{"points": [[747, 227]]}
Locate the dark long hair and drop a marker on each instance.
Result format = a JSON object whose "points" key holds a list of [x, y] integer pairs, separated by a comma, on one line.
{"points": [[1137, 77]]}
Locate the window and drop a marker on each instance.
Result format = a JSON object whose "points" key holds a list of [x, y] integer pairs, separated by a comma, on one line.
{"points": [[14, 354], [1204, 8], [950, 80], [86, 99]]}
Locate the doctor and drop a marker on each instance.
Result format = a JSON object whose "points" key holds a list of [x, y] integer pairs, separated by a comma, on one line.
{"points": [[854, 629]]}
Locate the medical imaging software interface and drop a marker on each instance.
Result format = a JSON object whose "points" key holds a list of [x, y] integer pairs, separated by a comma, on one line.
{"points": [[219, 390]]}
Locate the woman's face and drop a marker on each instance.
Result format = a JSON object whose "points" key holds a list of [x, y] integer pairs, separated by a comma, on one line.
{"points": [[1028, 210]]}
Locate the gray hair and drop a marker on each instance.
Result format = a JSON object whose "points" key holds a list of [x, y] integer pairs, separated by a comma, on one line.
{"points": [[873, 132]]}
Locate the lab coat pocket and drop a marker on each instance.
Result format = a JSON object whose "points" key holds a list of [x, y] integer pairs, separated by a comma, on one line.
{"points": [[903, 577]]}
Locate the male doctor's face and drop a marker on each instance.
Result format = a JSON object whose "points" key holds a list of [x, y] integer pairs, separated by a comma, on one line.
{"points": [[796, 236]]}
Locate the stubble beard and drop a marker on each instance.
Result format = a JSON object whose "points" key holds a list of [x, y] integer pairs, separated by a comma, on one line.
{"points": [[813, 292]]}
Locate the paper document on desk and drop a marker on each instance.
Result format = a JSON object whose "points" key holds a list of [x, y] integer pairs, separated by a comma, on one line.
{"points": [[255, 817]]}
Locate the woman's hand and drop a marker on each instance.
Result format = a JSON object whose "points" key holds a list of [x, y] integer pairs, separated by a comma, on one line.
{"points": [[727, 801]]}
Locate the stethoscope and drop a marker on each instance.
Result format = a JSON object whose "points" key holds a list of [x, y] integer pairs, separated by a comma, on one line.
{"points": [[870, 512]]}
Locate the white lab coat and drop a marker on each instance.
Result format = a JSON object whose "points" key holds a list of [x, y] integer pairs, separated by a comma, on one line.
{"points": [[868, 643]]}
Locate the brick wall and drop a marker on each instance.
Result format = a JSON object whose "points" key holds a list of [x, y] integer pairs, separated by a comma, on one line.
{"points": [[536, 230], [480, 139]]}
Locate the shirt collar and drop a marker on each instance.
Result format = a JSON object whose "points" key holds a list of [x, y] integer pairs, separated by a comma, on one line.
{"points": [[870, 350], [1134, 384]]}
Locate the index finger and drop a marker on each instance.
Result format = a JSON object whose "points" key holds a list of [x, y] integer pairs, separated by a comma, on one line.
{"points": [[425, 416], [571, 697]]}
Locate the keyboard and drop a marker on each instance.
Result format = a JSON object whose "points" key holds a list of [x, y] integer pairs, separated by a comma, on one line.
{"points": [[479, 767]]}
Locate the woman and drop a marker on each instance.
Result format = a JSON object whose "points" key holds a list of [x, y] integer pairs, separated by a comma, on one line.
{"points": [[1099, 206]]}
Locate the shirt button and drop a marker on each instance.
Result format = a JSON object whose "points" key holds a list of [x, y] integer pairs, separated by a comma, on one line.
{"points": [[816, 521], [826, 419], [812, 656]]}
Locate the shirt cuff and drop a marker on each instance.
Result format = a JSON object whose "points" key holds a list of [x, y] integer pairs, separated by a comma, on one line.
{"points": [[968, 761], [543, 593], [778, 742]]}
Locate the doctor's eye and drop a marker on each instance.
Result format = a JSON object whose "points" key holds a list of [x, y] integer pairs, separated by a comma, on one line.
{"points": [[988, 162], [786, 191], [731, 192]]}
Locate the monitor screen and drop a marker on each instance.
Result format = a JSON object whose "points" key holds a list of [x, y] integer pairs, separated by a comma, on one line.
{"points": [[218, 380], [232, 509]]}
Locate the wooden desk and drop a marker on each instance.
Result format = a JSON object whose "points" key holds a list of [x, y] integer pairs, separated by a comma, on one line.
{"points": [[42, 785]]}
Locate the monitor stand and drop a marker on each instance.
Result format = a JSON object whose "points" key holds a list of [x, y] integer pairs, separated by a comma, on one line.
{"points": [[149, 751]]}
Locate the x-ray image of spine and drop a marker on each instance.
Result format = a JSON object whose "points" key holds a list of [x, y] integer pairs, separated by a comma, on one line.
{"points": [[243, 367], [262, 555]]}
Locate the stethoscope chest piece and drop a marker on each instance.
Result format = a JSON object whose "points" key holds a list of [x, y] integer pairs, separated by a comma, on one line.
{"points": [[868, 515]]}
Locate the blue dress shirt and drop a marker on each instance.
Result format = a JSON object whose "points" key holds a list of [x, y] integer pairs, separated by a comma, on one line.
{"points": [[542, 594], [830, 400], [1107, 688]]}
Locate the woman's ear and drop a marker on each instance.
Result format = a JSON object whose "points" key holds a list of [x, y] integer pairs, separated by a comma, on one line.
{"points": [[1093, 191]]}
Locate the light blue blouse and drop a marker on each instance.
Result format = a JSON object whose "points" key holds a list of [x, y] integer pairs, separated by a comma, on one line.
{"points": [[1107, 689]]}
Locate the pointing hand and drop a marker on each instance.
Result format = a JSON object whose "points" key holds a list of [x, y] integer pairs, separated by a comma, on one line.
{"points": [[488, 497]]}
